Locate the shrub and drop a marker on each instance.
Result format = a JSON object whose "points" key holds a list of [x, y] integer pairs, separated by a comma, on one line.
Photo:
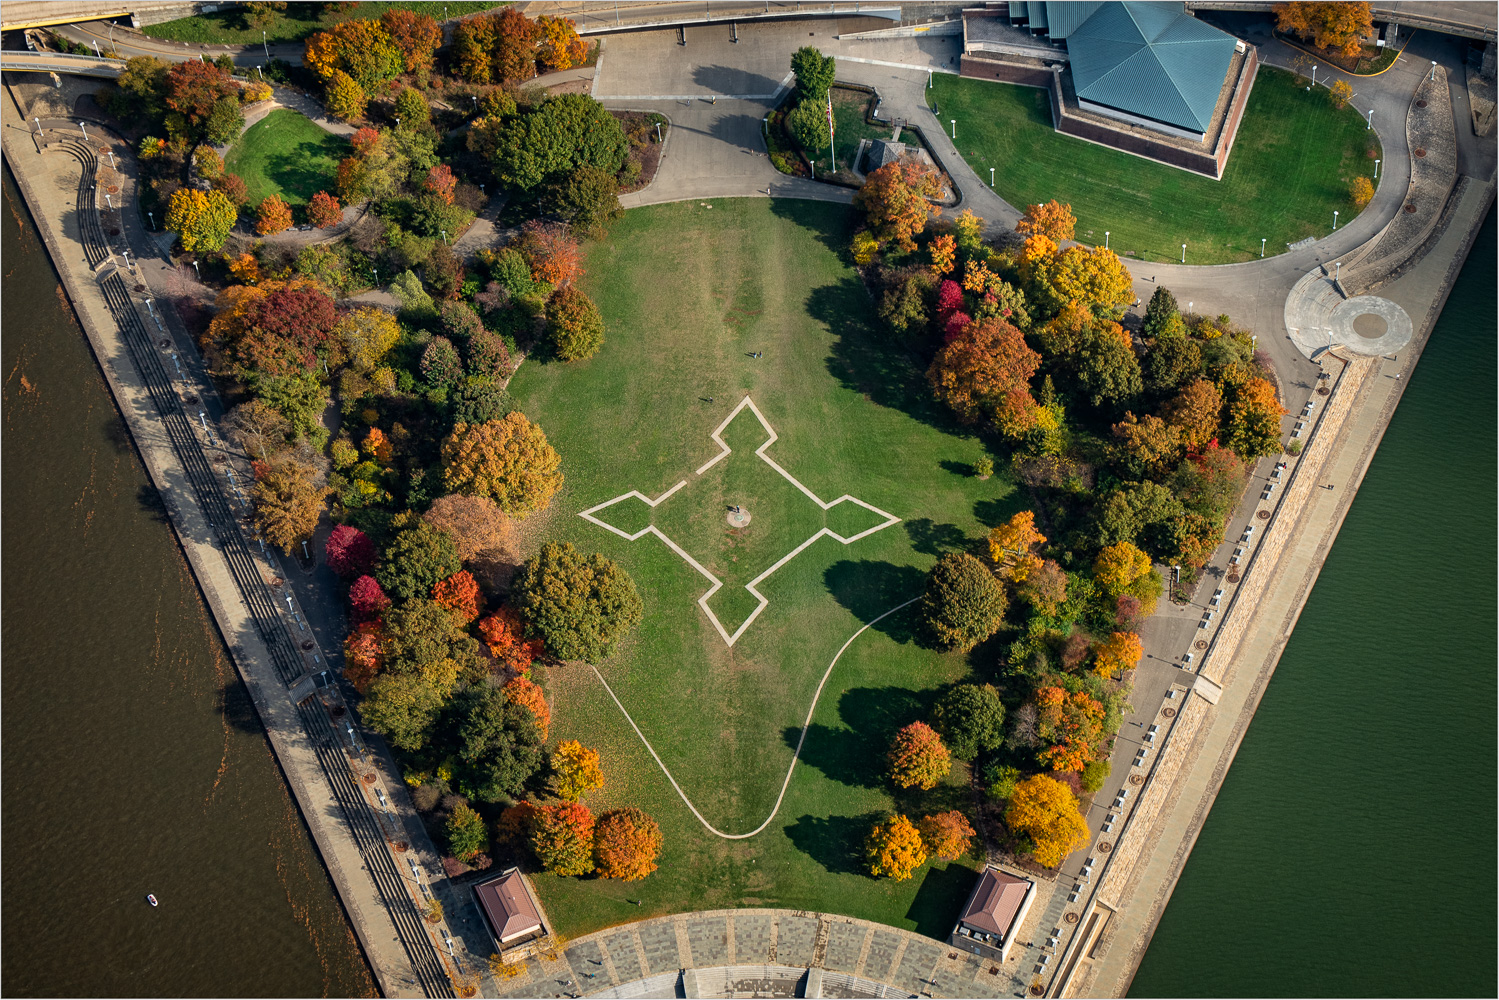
{"points": [[1095, 773], [574, 325], [963, 604], [1361, 191]]}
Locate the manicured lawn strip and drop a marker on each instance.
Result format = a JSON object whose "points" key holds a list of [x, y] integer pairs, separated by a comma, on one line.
{"points": [[285, 153], [687, 292], [299, 20], [1290, 168]]}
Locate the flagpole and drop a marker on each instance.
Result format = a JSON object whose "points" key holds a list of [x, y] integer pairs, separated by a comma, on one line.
{"points": [[831, 155]]}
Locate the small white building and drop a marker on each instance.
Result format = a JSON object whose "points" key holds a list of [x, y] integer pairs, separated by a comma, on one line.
{"points": [[993, 914]]}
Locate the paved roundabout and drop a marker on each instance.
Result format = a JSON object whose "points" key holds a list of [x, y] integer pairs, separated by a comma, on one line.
{"points": [[1319, 319]]}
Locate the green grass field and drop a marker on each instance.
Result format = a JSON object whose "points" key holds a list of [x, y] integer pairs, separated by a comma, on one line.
{"points": [[687, 293], [285, 153], [1290, 168], [231, 26]]}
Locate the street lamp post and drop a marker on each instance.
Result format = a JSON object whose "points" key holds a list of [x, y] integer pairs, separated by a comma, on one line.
{"points": [[97, 54], [1105, 239], [152, 216], [1337, 270], [111, 160], [1314, 77], [1184, 253], [266, 44], [196, 271], [1433, 69], [1376, 170], [954, 122], [1371, 120], [108, 201], [84, 127], [991, 177], [1262, 246], [444, 236], [38, 125], [1335, 220]]}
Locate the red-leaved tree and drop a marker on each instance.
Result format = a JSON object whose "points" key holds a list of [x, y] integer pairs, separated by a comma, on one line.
{"points": [[350, 552], [946, 835], [626, 843], [441, 182], [551, 251], [367, 601]]}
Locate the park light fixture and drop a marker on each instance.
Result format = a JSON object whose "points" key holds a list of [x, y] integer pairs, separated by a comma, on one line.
{"points": [[1262, 246], [1371, 120], [85, 131], [991, 177], [1105, 239], [1314, 77], [266, 44], [1184, 260], [152, 216], [1335, 220], [1376, 170], [196, 271], [1433, 69], [954, 127]]}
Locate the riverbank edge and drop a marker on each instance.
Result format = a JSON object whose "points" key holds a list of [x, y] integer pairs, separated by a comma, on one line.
{"points": [[315, 800], [1114, 958]]}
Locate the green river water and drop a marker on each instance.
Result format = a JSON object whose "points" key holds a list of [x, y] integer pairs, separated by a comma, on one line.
{"points": [[1349, 851], [1342, 857]]}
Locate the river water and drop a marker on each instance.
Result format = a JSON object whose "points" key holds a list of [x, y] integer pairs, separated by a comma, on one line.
{"points": [[1350, 850], [1338, 860], [133, 760]]}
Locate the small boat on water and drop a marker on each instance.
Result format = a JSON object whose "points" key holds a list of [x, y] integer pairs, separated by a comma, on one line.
{"points": [[151, 898]]}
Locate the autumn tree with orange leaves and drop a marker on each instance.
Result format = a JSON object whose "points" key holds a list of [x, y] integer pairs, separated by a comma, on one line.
{"points": [[626, 843], [504, 634], [551, 251], [1071, 722], [562, 837], [986, 373], [274, 216], [459, 593], [895, 200], [918, 758], [1053, 220], [946, 835], [528, 695], [362, 658]]}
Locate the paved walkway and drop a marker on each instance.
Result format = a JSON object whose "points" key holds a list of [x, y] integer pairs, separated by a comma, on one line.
{"points": [[755, 952]]}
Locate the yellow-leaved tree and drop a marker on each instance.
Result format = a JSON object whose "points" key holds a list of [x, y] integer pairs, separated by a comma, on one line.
{"points": [[508, 460], [894, 848], [1119, 652], [201, 219], [1011, 543], [1045, 810], [1118, 566], [575, 771]]}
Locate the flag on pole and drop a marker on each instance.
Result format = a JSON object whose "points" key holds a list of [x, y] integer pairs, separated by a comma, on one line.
{"points": [[830, 114]]}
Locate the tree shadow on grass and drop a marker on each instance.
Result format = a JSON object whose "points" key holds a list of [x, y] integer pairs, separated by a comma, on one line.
{"points": [[870, 588], [854, 754], [942, 892], [835, 842], [302, 171], [868, 362], [930, 538], [993, 513]]}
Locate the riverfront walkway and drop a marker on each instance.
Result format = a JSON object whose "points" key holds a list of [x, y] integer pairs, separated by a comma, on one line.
{"points": [[347, 787]]}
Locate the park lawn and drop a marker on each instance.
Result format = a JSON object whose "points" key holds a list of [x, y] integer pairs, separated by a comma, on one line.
{"points": [[286, 153], [232, 27], [687, 292], [1291, 165]]}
